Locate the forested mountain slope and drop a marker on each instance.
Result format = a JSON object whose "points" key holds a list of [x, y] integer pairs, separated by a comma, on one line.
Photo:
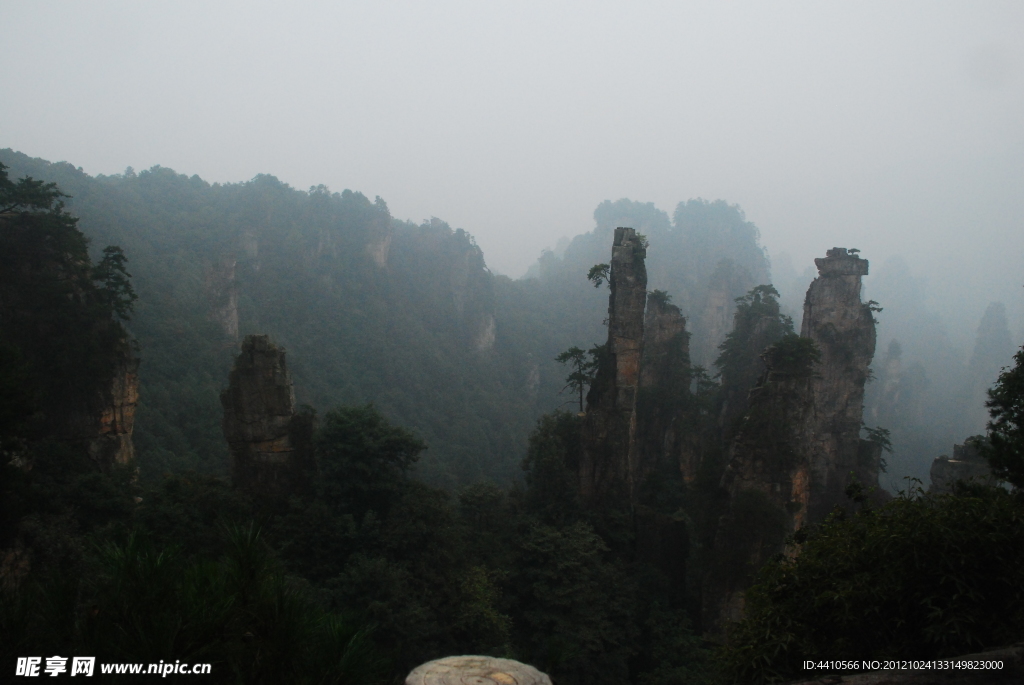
{"points": [[372, 309]]}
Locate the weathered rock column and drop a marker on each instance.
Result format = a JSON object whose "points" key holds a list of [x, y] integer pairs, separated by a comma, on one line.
{"points": [[768, 482], [270, 444], [611, 402], [661, 442], [664, 388], [790, 461], [843, 328]]}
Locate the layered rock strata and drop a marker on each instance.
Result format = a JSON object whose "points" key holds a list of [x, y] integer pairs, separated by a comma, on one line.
{"points": [[270, 443]]}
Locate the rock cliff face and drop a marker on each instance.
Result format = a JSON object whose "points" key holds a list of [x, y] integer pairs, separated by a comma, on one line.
{"points": [[112, 443], [768, 481], [271, 445], [104, 422], [712, 313], [611, 402], [799, 442], [379, 246], [663, 391], [222, 294]]}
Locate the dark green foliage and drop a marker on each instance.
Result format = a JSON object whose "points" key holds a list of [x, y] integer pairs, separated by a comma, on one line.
{"points": [[793, 356], [141, 603], [676, 656], [923, 576], [582, 370], [757, 325], [574, 607], [598, 274], [170, 566], [1005, 452], [751, 531], [18, 401], [585, 607], [385, 546], [362, 459], [57, 327], [27, 195], [881, 437], [191, 511], [551, 466], [659, 297], [117, 287]]}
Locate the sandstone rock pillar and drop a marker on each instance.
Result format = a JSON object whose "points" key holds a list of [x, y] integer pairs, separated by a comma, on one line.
{"points": [[611, 402], [271, 451], [792, 457], [843, 329]]}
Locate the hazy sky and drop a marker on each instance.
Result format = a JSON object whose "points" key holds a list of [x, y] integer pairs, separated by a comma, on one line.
{"points": [[894, 127]]}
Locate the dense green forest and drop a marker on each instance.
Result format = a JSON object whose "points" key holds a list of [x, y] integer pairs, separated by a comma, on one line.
{"points": [[446, 517]]}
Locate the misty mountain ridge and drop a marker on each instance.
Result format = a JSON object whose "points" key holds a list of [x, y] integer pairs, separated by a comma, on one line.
{"points": [[408, 317]]}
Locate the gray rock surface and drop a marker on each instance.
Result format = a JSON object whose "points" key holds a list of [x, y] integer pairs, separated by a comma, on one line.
{"points": [[478, 670], [270, 444], [610, 421]]}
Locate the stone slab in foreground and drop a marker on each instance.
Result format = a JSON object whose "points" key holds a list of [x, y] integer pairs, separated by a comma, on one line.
{"points": [[478, 670]]}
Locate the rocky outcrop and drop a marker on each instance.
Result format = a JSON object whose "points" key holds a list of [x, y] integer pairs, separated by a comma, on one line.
{"points": [[270, 443], [800, 439], [661, 441], [798, 447], [843, 328], [663, 390], [757, 324], [967, 465], [379, 247], [102, 421], [605, 473], [768, 481], [115, 419]]}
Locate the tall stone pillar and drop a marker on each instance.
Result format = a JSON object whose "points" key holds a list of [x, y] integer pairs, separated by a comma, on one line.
{"points": [[611, 402], [271, 445]]}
